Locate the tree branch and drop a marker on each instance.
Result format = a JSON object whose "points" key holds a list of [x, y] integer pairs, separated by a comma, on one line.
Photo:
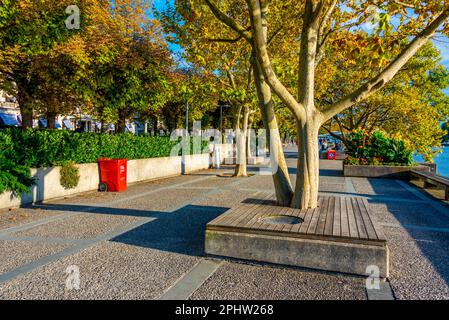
{"points": [[226, 40], [326, 19], [231, 79], [323, 39], [228, 21], [401, 3], [390, 71], [336, 136], [259, 37], [274, 35]]}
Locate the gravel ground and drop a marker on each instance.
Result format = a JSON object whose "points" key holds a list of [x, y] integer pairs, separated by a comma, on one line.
{"points": [[181, 231], [382, 187], [145, 261], [418, 214], [242, 281], [258, 182], [329, 186], [107, 271], [213, 182], [12, 218], [85, 226], [163, 200], [225, 199], [418, 264], [110, 198], [14, 254]]}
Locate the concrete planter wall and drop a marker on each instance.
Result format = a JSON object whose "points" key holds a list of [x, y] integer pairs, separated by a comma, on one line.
{"points": [[390, 172], [48, 186], [155, 168], [48, 179]]}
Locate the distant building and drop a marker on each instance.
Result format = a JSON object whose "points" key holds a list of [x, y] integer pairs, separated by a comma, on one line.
{"points": [[10, 117], [8, 102], [9, 111]]}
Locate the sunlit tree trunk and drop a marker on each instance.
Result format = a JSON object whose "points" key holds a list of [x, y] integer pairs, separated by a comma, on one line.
{"points": [[241, 148], [307, 176], [281, 178]]}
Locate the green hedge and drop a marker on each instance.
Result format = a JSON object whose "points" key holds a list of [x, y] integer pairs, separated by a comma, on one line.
{"points": [[21, 150], [376, 149], [45, 148], [13, 177]]}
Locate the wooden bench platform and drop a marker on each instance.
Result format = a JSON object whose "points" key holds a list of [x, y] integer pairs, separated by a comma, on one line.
{"points": [[340, 235], [432, 180]]}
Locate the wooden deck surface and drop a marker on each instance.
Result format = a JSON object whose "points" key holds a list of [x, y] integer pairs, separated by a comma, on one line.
{"points": [[345, 219]]}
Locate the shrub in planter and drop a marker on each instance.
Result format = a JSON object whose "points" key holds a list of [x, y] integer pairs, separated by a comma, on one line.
{"points": [[14, 177], [21, 150], [46, 148], [376, 149], [69, 175]]}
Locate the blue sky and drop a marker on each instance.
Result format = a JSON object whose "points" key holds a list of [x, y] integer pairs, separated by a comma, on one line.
{"points": [[160, 3], [444, 48]]}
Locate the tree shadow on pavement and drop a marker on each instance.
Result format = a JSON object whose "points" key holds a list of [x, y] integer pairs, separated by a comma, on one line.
{"points": [[180, 231], [420, 220]]}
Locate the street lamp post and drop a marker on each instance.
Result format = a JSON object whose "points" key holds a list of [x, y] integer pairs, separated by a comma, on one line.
{"points": [[187, 118], [221, 117]]}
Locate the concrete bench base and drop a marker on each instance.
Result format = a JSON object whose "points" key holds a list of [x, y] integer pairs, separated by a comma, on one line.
{"points": [[340, 235], [389, 172], [308, 253], [431, 180]]}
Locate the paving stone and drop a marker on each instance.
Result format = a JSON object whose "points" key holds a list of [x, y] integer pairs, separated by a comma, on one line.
{"points": [[108, 270], [234, 281], [83, 226], [14, 254], [147, 260]]}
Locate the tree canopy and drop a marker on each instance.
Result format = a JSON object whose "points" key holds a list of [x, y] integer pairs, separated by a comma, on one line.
{"points": [[331, 37], [115, 65]]}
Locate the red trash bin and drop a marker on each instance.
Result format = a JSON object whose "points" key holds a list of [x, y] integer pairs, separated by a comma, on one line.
{"points": [[113, 174], [331, 154]]}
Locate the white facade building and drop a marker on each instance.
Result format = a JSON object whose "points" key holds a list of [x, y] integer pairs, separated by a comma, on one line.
{"points": [[10, 116]]}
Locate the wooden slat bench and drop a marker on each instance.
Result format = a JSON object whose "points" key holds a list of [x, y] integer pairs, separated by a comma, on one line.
{"points": [[340, 235], [432, 180]]}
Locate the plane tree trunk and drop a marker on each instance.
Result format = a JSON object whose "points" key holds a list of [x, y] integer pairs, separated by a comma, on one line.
{"points": [[241, 148], [307, 174], [281, 178]]}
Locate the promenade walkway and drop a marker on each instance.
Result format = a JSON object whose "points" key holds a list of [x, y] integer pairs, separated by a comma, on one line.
{"points": [[147, 243]]}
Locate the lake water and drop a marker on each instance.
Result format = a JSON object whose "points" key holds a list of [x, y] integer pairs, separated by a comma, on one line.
{"points": [[442, 161]]}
